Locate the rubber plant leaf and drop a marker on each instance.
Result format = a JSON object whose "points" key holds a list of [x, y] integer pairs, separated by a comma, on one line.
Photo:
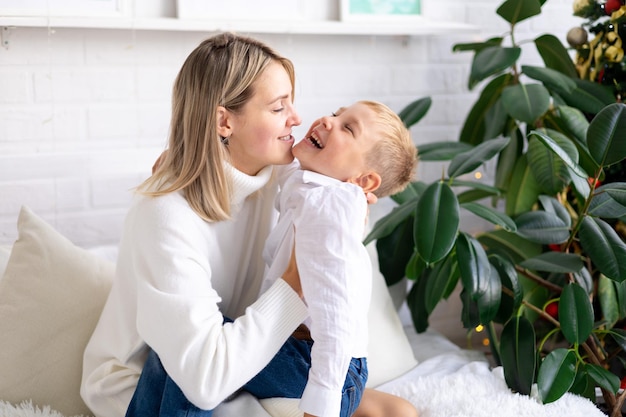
{"points": [[609, 201], [589, 97], [575, 314], [609, 304], [508, 158], [558, 262], [473, 265], [491, 215], [388, 224], [415, 111], [555, 56], [444, 274], [606, 133], [619, 335], [509, 280], [474, 128], [510, 245], [554, 146], [552, 205], [471, 159], [490, 61], [441, 151], [556, 374], [394, 252], [477, 46], [514, 11], [542, 227], [604, 378], [488, 189], [417, 307], [604, 246], [526, 102], [413, 191], [496, 119], [436, 222], [552, 79], [489, 301], [518, 353], [550, 171]]}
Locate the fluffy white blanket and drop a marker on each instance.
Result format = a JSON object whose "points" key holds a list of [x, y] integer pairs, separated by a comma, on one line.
{"points": [[450, 386]]}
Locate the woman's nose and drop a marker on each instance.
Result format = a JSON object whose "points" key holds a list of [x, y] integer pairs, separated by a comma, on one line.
{"points": [[296, 120]]}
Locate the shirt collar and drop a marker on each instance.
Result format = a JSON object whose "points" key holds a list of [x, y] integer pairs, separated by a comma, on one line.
{"points": [[316, 178]]}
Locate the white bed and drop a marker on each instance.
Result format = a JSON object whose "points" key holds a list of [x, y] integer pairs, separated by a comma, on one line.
{"points": [[52, 291]]}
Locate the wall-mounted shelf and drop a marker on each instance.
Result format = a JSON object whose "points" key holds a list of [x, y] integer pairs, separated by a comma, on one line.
{"points": [[305, 27]]}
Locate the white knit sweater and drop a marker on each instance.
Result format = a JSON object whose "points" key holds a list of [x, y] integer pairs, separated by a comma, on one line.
{"points": [[177, 275]]}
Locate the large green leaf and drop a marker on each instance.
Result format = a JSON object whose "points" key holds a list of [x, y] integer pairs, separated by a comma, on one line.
{"points": [[556, 374], [491, 215], [542, 227], [550, 170], [412, 192], [441, 151], [415, 300], [508, 278], [575, 314], [474, 127], [589, 97], [436, 222], [552, 205], [490, 61], [604, 246], [441, 280], [470, 160], [390, 222], [514, 11], [473, 265], [495, 120], [554, 146], [477, 46], [509, 245], [508, 158], [554, 262], [607, 295], [526, 102], [606, 133], [518, 354], [489, 301], [488, 189], [555, 55], [609, 201], [415, 111], [394, 252], [552, 79], [604, 378]]}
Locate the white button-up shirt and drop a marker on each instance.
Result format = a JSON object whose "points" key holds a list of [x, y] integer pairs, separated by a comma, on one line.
{"points": [[326, 217]]}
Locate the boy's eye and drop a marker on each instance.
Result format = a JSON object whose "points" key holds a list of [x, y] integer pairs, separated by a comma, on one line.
{"points": [[334, 114], [348, 128]]}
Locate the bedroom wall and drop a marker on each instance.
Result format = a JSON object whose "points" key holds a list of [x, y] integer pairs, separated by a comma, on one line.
{"points": [[84, 112]]}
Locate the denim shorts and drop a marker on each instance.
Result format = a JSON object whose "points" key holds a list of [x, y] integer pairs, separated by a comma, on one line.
{"points": [[285, 376]]}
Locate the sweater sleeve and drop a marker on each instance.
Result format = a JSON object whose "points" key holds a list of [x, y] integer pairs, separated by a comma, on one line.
{"points": [[329, 228], [178, 312]]}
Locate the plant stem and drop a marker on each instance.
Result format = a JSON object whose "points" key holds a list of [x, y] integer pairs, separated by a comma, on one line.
{"points": [[538, 279]]}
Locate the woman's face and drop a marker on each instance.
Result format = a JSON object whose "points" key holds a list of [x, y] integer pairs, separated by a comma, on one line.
{"points": [[337, 146], [261, 132]]}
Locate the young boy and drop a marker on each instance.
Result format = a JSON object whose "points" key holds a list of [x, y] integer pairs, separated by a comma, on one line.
{"points": [[363, 148]]}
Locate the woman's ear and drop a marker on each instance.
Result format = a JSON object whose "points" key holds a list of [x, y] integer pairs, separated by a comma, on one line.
{"points": [[224, 122], [369, 181]]}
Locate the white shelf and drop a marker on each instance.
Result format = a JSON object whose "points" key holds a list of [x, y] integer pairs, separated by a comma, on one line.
{"points": [[305, 27]]}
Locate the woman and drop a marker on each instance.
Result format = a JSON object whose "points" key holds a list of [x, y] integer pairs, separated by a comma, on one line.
{"points": [[190, 254]]}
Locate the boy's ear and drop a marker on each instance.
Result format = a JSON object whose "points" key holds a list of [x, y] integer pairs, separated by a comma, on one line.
{"points": [[224, 122], [369, 181]]}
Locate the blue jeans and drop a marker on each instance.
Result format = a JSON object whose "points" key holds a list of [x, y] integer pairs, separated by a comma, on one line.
{"points": [[285, 376]]}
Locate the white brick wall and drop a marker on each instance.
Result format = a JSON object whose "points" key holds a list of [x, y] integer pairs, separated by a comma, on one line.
{"points": [[85, 112]]}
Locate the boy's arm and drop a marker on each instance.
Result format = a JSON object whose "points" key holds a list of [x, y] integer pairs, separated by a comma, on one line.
{"points": [[329, 232]]}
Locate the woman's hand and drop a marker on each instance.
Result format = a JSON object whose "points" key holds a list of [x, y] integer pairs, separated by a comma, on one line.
{"points": [[291, 275]]}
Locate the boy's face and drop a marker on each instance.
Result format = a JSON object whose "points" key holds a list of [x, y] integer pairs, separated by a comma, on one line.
{"points": [[337, 145]]}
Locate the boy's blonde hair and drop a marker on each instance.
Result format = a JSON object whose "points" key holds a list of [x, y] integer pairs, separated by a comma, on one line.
{"points": [[394, 156], [221, 71]]}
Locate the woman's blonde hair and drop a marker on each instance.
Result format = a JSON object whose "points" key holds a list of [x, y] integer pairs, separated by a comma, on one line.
{"points": [[394, 156], [221, 71]]}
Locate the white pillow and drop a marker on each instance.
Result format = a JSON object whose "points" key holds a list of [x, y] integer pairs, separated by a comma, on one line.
{"points": [[51, 297], [5, 251], [389, 351]]}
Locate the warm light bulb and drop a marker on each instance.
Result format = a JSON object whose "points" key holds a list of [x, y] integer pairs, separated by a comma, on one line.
{"points": [[479, 328], [478, 175], [485, 342]]}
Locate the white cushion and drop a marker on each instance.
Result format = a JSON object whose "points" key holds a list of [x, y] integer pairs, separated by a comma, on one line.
{"points": [[51, 296], [5, 251]]}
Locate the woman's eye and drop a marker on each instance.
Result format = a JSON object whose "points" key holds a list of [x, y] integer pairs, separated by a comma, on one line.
{"points": [[278, 110]]}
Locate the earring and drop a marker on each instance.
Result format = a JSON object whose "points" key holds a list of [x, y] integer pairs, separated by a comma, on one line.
{"points": [[224, 140]]}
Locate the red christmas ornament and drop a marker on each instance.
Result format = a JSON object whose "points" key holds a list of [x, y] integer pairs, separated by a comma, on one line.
{"points": [[553, 309], [612, 5]]}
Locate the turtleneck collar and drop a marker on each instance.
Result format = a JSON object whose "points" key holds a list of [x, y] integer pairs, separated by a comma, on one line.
{"points": [[244, 184]]}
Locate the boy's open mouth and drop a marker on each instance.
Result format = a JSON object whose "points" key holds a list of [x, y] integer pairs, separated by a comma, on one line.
{"points": [[315, 141]]}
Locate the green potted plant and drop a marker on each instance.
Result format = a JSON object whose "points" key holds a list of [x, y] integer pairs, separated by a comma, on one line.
{"points": [[548, 281]]}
